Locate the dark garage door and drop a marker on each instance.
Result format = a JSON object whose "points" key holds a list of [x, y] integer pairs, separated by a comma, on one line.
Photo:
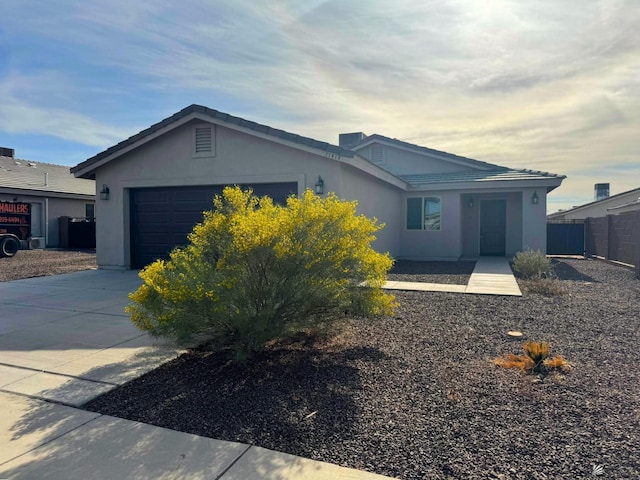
{"points": [[161, 218]]}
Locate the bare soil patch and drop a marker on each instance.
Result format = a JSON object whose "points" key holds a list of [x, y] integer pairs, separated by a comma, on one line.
{"points": [[457, 273], [417, 395], [38, 263]]}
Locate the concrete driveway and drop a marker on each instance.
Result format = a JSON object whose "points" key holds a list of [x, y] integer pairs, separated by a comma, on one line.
{"points": [[64, 340]]}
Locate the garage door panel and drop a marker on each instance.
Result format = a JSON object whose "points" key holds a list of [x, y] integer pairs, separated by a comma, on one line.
{"points": [[188, 219], [153, 218], [155, 207], [152, 195], [198, 196], [154, 238], [161, 218]]}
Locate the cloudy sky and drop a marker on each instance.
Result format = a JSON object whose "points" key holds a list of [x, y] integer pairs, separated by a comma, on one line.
{"points": [[551, 85]]}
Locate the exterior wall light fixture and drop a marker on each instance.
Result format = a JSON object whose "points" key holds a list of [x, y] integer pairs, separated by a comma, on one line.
{"points": [[104, 193], [319, 186], [534, 198], [470, 203]]}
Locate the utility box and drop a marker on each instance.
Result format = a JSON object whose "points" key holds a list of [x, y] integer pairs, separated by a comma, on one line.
{"points": [[77, 232]]}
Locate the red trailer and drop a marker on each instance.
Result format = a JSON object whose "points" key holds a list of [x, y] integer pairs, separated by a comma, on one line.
{"points": [[15, 227]]}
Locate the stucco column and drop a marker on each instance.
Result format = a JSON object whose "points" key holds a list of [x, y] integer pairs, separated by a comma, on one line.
{"points": [[534, 219]]}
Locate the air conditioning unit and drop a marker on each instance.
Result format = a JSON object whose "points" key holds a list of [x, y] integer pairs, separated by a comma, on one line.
{"points": [[36, 242]]}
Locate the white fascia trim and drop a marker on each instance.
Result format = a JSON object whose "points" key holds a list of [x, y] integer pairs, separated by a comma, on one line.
{"points": [[466, 163]]}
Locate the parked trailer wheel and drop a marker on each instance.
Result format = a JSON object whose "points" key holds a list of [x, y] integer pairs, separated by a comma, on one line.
{"points": [[9, 247]]}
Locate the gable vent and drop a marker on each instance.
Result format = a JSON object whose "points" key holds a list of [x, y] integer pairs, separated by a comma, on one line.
{"points": [[377, 154], [204, 140]]}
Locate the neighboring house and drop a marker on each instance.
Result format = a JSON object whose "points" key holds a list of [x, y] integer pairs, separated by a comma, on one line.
{"points": [[52, 191], [624, 202], [435, 205]]}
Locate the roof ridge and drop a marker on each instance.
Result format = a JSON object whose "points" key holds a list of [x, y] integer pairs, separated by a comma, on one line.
{"points": [[423, 148], [26, 160], [225, 117], [541, 172]]}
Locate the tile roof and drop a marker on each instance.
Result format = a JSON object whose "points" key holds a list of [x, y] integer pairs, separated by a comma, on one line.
{"points": [[28, 175], [226, 118], [633, 203], [485, 171], [610, 199], [428, 151], [497, 174]]}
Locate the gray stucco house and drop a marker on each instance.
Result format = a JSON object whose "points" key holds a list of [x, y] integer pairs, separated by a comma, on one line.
{"points": [[51, 190], [624, 202], [436, 206]]}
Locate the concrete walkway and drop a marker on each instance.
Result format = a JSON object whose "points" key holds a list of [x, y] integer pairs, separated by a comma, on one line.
{"points": [[491, 276], [64, 340]]}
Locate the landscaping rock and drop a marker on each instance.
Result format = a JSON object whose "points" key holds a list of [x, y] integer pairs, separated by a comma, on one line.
{"points": [[417, 395], [38, 263]]}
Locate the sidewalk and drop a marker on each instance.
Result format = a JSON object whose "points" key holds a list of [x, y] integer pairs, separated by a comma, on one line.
{"points": [[64, 340], [491, 276], [46, 440]]}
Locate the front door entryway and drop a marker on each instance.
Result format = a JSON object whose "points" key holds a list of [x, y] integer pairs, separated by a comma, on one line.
{"points": [[493, 227]]}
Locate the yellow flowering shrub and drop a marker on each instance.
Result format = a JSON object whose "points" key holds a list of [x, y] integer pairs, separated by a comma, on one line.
{"points": [[255, 271]]}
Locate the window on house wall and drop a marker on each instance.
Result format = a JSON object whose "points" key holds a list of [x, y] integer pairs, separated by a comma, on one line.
{"points": [[90, 210], [204, 141], [424, 213]]}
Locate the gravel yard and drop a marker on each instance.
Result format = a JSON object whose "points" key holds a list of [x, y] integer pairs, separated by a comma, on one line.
{"points": [[417, 396], [38, 263], [457, 273]]}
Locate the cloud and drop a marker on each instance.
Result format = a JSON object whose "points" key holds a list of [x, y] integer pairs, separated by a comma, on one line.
{"points": [[23, 118], [22, 114], [546, 85]]}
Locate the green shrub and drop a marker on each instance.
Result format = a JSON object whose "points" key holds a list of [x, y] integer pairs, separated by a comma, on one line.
{"points": [[255, 271], [532, 264]]}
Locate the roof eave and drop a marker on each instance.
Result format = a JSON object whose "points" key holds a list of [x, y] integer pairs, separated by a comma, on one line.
{"points": [[46, 193], [365, 165], [548, 183], [87, 168]]}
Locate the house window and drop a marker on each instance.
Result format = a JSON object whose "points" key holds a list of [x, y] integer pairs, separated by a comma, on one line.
{"points": [[204, 141], [90, 210], [424, 213]]}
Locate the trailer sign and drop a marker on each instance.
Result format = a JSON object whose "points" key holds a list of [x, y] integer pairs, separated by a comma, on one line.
{"points": [[15, 218], [7, 207]]}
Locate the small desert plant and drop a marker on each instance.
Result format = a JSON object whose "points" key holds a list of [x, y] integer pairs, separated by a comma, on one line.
{"points": [[536, 359], [544, 286], [532, 264]]}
